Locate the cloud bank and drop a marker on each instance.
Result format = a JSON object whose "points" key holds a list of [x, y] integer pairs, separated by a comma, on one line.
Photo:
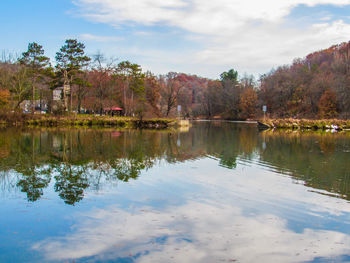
{"points": [[250, 35]]}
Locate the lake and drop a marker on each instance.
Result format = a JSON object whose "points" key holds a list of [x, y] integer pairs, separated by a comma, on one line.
{"points": [[216, 192]]}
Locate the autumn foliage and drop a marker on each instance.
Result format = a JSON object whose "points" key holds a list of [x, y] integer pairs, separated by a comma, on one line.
{"points": [[317, 86], [4, 98], [327, 107], [248, 103]]}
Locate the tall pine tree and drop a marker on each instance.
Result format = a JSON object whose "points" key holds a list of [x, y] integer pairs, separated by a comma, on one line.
{"points": [[38, 64], [70, 60]]}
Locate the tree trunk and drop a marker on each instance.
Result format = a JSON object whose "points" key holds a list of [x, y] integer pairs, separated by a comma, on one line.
{"points": [[40, 100], [101, 106], [71, 100], [132, 102], [33, 98], [168, 111], [71, 94], [79, 104], [124, 91]]}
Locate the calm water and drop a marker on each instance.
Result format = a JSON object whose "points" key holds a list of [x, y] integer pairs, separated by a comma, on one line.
{"points": [[219, 192]]}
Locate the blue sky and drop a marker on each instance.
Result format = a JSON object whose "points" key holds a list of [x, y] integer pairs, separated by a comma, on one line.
{"points": [[201, 37]]}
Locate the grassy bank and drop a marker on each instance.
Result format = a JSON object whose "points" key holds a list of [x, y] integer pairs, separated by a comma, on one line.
{"points": [[83, 120], [305, 124]]}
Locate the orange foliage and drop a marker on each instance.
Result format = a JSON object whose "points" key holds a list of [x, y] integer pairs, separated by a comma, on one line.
{"points": [[327, 105], [4, 97], [248, 103]]}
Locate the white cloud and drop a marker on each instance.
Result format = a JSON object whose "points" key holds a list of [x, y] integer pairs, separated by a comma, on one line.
{"points": [[249, 35], [90, 37], [208, 17], [326, 18], [268, 45]]}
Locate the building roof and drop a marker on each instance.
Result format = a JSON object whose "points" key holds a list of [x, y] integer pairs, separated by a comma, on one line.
{"points": [[113, 108]]}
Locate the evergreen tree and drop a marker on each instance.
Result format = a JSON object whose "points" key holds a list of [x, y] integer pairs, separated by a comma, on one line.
{"points": [[70, 60], [38, 66], [231, 94], [133, 87]]}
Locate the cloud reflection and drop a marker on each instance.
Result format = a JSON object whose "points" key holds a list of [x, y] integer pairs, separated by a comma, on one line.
{"points": [[193, 232]]}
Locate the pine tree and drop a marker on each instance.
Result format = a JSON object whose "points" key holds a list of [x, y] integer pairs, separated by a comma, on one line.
{"points": [[38, 65], [70, 60]]}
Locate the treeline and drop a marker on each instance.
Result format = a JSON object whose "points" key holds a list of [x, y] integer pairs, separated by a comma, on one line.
{"points": [[92, 84], [315, 87]]}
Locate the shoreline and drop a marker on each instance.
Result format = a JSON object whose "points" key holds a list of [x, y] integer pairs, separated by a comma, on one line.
{"points": [[305, 124], [87, 121], [79, 120]]}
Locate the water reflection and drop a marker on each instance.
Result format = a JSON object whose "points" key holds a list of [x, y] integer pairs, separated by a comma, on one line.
{"points": [[320, 160], [78, 159], [194, 232], [238, 218], [218, 192]]}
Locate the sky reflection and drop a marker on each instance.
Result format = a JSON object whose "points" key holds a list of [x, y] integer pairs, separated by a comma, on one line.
{"points": [[217, 192], [246, 215]]}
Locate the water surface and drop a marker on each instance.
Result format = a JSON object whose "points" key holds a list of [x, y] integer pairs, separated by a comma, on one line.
{"points": [[218, 192]]}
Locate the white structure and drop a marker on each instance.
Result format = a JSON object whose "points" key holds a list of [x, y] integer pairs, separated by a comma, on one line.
{"points": [[57, 94]]}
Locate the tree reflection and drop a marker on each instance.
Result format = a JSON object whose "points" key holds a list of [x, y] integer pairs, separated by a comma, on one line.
{"points": [[70, 183], [228, 161], [33, 178], [33, 182], [77, 160], [319, 159], [127, 169]]}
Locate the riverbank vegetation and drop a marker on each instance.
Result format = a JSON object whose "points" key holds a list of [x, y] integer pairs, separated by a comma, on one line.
{"points": [[317, 86], [307, 124], [19, 119]]}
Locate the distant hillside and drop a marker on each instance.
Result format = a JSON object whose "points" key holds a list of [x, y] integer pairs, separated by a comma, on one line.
{"points": [[317, 86]]}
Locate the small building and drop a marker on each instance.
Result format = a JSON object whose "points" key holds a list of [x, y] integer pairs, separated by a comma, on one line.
{"points": [[40, 106], [26, 106], [57, 94], [113, 111]]}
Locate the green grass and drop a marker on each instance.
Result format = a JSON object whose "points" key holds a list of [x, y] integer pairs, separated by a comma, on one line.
{"points": [[79, 120]]}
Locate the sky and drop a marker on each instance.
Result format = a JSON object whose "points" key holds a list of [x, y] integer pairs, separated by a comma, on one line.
{"points": [[201, 37]]}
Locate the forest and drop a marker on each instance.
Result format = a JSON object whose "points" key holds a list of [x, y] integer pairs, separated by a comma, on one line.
{"points": [[317, 86]]}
